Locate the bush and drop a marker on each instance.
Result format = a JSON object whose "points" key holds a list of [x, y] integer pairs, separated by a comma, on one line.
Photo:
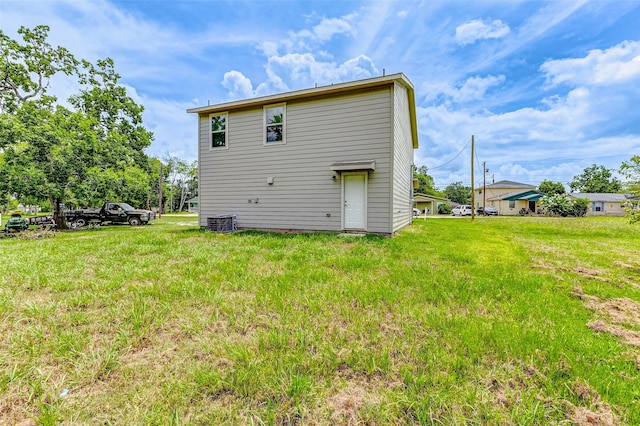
{"points": [[561, 205], [580, 207], [444, 209]]}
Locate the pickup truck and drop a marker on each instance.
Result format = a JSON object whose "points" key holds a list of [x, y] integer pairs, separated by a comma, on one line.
{"points": [[109, 212]]}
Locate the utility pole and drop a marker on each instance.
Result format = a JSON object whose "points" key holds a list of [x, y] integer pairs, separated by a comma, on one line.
{"points": [[473, 192], [484, 188]]}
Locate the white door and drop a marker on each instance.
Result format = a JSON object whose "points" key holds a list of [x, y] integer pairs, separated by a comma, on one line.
{"points": [[355, 200]]}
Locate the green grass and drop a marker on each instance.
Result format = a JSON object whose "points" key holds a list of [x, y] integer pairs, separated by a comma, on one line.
{"points": [[450, 322]]}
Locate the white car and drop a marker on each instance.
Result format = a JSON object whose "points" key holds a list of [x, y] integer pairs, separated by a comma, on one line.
{"points": [[462, 210]]}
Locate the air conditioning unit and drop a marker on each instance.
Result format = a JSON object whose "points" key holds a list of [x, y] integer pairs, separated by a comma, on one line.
{"points": [[222, 223]]}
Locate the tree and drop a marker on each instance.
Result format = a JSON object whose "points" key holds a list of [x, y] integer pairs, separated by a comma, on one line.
{"points": [[426, 184], [595, 179], [182, 181], [20, 63], [75, 157], [631, 171], [458, 193], [548, 187]]}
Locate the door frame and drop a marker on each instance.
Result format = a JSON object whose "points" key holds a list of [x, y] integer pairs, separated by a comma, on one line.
{"points": [[366, 201]]}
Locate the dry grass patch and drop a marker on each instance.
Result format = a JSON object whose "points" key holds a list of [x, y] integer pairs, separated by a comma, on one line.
{"points": [[596, 413], [616, 316]]}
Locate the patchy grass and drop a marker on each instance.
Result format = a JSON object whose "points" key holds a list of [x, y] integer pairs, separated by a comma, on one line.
{"points": [[495, 321]]}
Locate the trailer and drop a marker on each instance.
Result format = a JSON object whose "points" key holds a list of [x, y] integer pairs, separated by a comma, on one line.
{"points": [[42, 222]]}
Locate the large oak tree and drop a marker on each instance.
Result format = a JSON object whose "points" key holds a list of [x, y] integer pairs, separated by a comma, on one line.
{"points": [[78, 156]]}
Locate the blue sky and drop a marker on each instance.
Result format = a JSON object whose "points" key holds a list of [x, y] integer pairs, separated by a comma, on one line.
{"points": [[546, 88]]}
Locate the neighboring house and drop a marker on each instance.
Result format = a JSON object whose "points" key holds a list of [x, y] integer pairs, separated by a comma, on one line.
{"points": [[604, 204], [330, 158], [509, 197], [428, 204], [192, 204]]}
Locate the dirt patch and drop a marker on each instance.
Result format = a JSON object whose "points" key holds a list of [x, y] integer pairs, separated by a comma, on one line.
{"points": [[592, 274], [360, 391], [595, 412], [629, 337], [619, 317], [626, 265], [603, 416]]}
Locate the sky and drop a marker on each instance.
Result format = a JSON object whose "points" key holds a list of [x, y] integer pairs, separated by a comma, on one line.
{"points": [[546, 88]]}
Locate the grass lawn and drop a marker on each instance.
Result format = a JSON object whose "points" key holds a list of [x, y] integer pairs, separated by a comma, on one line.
{"points": [[496, 321]]}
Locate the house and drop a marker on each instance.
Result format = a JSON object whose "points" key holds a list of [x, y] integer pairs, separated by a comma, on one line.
{"points": [[509, 198], [192, 204], [604, 204], [428, 204], [329, 158]]}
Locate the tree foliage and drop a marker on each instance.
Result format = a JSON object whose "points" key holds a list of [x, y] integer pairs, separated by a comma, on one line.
{"points": [[77, 157], [562, 205], [549, 187], [426, 184], [25, 69], [182, 182], [595, 179], [631, 171], [458, 193]]}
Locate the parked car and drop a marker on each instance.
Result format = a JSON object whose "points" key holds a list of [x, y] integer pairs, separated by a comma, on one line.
{"points": [[489, 211], [416, 212], [462, 210]]}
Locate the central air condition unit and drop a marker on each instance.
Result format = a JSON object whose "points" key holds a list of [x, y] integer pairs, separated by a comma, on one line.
{"points": [[222, 223]]}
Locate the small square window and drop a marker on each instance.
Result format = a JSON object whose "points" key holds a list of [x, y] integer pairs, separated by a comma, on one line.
{"points": [[274, 122], [218, 135]]}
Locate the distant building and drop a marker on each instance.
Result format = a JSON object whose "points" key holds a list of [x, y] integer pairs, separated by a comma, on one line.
{"points": [[428, 204], [192, 204], [510, 198], [604, 204]]}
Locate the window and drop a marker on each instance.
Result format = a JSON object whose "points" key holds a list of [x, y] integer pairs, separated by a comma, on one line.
{"points": [[218, 130], [512, 204], [274, 124]]}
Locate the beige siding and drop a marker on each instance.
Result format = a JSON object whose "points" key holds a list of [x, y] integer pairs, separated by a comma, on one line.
{"points": [[402, 160], [303, 195]]}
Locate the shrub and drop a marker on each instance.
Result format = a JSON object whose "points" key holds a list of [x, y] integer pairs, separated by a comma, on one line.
{"points": [[580, 207], [444, 209], [561, 205]]}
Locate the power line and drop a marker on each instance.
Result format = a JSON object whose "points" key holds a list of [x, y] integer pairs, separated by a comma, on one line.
{"points": [[456, 156]]}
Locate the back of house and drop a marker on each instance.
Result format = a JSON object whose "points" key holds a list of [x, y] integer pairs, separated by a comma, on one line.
{"points": [[330, 158]]}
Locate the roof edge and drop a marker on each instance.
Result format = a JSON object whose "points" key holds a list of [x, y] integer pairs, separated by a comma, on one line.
{"points": [[302, 93]]}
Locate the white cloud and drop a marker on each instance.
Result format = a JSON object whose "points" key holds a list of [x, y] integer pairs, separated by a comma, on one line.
{"points": [[302, 70], [324, 31], [618, 64], [475, 88], [475, 30], [238, 85]]}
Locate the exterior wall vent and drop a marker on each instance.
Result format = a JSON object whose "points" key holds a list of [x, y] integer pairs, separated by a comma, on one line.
{"points": [[222, 223]]}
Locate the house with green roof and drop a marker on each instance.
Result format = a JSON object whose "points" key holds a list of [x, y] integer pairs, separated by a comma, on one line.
{"points": [[509, 198]]}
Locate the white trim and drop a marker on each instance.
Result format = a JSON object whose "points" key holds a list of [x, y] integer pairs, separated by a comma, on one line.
{"points": [[349, 166], [226, 131], [265, 124], [366, 201]]}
